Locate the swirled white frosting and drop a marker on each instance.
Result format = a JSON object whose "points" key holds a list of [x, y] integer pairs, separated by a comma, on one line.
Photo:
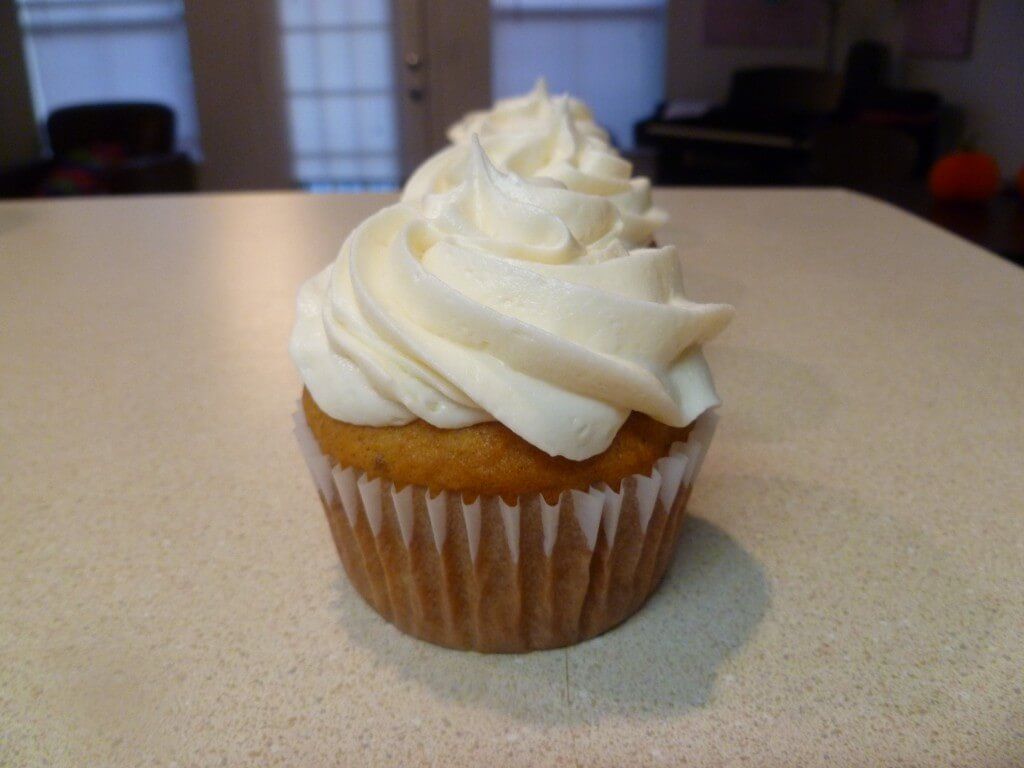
{"points": [[537, 136], [523, 114], [508, 300]]}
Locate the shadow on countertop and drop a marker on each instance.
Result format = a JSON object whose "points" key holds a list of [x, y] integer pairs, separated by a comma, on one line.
{"points": [[663, 660]]}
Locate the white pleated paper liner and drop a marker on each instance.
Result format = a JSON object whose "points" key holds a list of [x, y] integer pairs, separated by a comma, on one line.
{"points": [[596, 510], [493, 576]]}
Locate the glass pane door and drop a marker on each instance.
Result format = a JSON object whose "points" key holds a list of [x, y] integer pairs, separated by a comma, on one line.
{"points": [[610, 53], [340, 93]]}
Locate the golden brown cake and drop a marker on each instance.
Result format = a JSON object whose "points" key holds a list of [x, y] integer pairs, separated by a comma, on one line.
{"points": [[485, 459]]}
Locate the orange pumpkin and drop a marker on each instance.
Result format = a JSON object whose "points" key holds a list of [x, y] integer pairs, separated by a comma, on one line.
{"points": [[964, 175]]}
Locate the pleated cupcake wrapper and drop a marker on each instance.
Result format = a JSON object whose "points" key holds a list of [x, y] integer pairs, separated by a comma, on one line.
{"points": [[398, 549], [596, 510]]}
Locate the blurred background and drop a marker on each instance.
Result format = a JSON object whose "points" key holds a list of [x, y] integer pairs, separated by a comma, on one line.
{"points": [[142, 96]]}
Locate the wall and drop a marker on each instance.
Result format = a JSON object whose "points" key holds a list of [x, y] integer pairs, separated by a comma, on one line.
{"points": [[696, 71], [19, 139], [459, 61], [236, 66], [989, 85]]}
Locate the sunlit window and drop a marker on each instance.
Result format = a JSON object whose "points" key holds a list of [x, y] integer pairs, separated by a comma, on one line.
{"points": [[339, 83], [610, 53]]}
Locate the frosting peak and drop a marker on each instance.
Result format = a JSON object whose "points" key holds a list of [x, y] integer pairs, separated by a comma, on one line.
{"points": [[540, 137], [522, 113], [510, 300]]}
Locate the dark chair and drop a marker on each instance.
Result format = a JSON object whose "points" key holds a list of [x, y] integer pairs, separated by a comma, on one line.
{"points": [[139, 128], [870, 98], [114, 148], [866, 158], [867, 73], [922, 115]]}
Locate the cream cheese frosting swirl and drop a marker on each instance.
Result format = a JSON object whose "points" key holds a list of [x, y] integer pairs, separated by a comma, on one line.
{"points": [[537, 136], [509, 300], [522, 114]]}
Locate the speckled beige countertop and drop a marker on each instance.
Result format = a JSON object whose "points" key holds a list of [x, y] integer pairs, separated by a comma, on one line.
{"points": [[849, 592]]}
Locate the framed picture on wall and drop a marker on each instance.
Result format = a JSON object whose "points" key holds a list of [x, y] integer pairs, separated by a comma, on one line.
{"points": [[763, 23], [939, 29]]}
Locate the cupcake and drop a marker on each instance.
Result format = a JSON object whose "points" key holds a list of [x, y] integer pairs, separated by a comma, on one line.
{"points": [[542, 137], [505, 408]]}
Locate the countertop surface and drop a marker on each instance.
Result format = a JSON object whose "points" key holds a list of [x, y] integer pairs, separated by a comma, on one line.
{"points": [[848, 591]]}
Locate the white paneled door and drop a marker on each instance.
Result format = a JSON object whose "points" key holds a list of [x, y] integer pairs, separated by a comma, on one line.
{"points": [[339, 88], [369, 84]]}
